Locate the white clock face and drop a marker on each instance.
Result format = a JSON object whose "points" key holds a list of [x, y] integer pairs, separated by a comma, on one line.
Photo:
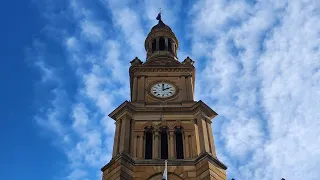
{"points": [[163, 90]]}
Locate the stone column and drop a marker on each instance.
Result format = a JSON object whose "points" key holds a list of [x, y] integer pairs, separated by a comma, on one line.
{"points": [[149, 47], [141, 87], [166, 43], [183, 88], [192, 88], [157, 44], [189, 90], [134, 89], [196, 140], [194, 146], [171, 145], [211, 140], [140, 145], [125, 134], [116, 138], [203, 134], [134, 147], [186, 146], [190, 146], [156, 145], [132, 137], [173, 48]]}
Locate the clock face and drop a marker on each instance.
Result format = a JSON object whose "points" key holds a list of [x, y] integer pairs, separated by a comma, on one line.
{"points": [[163, 90]]}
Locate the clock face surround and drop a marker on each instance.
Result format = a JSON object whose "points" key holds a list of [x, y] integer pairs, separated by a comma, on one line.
{"points": [[163, 90]]}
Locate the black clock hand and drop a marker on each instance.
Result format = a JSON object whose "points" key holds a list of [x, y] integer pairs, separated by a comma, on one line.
{"points": [[162, 87], [167, 88]]}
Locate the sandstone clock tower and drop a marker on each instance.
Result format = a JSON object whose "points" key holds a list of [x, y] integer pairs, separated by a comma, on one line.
{"points": [[162, 120]]}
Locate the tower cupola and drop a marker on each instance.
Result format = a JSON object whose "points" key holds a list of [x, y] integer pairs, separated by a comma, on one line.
{"points": [[161, 41]]}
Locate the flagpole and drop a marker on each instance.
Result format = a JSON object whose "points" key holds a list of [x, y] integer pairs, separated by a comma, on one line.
{"points": [[165, 172], [166, 161]]}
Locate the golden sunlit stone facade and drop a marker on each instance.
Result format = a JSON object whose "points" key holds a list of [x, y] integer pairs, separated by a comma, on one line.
{"points": [[162, 120]]}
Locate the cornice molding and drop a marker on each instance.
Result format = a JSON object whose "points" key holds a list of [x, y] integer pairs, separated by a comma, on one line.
{"points": [[208, 156], [204, 110], [159, 162], [161, 61], [119, 157], [198, 108], [201, 116], [120, 110], [161, 55], [125, 113], [161, 69]]}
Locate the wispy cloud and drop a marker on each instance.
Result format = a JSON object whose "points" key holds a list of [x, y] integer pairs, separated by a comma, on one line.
{"points": [[263, 60]]}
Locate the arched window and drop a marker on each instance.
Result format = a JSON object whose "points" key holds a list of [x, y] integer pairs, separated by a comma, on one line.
{"points": [[179, 143], [154, 45], [164, 143], [148, 144], [162, 44], [170, 45]]}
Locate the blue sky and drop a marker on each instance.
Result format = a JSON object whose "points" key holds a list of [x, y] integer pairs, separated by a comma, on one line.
{"points": [[65, 68]]}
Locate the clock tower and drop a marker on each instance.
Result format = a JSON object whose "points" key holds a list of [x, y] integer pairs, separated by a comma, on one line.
{"points": [[162, 121]]}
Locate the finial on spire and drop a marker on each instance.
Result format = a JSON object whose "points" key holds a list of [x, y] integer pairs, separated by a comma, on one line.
{"points": [[159, 16]]}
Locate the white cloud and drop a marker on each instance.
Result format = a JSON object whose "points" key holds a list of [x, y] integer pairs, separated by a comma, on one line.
{"points": [[264, 84], [290, 92], [129, 23], [243, 135], [92, 31], [77, 174], [212, 15], [51, 114], [91, 131], [80, 116]]}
